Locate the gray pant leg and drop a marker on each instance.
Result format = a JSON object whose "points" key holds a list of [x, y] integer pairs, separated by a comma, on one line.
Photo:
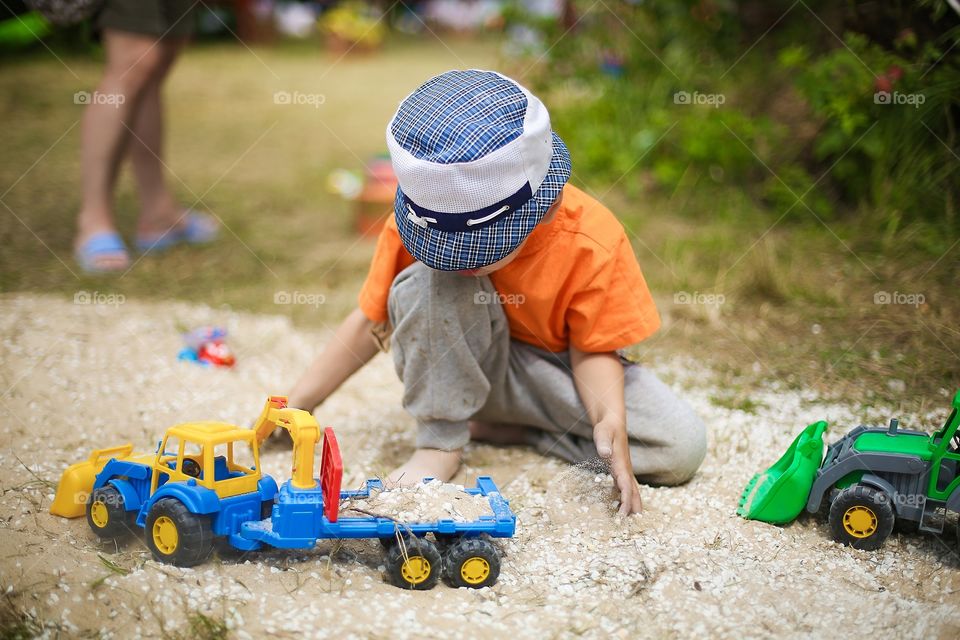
{"points": [[667, 439], [450, 343], [452, 350]]}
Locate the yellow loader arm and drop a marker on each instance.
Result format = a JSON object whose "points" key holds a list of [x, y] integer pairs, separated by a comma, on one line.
{"points": [[304, 431]]}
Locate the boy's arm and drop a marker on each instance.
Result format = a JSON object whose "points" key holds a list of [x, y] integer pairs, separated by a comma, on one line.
{"points": [[599, 381], [351, 347]]}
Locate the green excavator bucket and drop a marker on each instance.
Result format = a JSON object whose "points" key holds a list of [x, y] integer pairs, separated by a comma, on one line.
{"points": [[779, 494]]}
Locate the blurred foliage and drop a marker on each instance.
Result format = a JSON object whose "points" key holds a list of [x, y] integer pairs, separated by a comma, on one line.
{"points": [[812, 107]]}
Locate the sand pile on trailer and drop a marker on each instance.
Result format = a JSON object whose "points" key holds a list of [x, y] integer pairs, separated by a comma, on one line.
{"points": [[427, 502]]}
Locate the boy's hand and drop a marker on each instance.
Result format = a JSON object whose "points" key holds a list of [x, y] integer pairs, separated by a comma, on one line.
{"points": [[599, 381], [610, 438]]}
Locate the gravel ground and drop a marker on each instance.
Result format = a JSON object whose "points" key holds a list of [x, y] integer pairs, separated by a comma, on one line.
{"points": [[81, 376]]}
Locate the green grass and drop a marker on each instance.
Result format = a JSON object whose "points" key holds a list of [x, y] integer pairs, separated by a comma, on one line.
{"points": [[16, 623], [203, 627], [799, 302], [798, 296], [260, 167]]}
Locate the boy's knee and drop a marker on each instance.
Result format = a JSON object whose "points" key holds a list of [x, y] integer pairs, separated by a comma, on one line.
{"points": [[677, 460], [690, 448]]}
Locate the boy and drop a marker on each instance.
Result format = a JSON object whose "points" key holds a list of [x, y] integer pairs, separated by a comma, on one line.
{"points": [[509, 295]]}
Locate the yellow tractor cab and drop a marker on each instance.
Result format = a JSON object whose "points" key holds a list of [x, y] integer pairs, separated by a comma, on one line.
{"points": [[217, 455]]}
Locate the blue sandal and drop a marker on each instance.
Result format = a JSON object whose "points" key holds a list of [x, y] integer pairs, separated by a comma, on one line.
{"points": [[198, 228], [99, 246]]}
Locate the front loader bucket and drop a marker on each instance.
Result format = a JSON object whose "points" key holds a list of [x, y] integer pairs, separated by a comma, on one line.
{"points": [[76, 483], [779, 494]]}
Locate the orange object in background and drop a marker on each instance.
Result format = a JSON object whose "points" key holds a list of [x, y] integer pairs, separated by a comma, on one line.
{"points": [[375, 201]]}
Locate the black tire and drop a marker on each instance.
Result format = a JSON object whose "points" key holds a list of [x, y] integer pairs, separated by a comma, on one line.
{"points": [[861, 517], [176, 536], [472, 562], [415, 564], [107, 514]]}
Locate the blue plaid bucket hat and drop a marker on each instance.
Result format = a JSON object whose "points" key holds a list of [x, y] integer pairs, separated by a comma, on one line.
{"points": [[478, 167]]}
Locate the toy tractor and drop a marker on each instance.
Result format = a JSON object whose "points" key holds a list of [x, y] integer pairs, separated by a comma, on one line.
{"points": [[204, 483], [872, 479]]}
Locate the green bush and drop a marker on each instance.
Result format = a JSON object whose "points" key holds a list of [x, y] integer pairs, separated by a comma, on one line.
{"points": [[740, 96]]}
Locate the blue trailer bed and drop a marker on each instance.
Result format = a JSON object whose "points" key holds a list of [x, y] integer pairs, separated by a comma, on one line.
{"points": [[299, 519]]}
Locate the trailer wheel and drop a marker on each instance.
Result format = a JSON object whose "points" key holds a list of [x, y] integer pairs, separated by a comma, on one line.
{"points": [[176, 536], [106, 513], [415, 564], [861, 517], [472, 562]]}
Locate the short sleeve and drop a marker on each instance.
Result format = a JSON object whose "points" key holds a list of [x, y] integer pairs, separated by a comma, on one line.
{"points": [[389, 259], [614, 308]]}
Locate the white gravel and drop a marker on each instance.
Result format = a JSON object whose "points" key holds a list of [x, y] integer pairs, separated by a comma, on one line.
{"points": [[426, 502], [77, 377]]}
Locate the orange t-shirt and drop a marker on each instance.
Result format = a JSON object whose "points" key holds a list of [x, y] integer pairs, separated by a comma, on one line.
{"points": [[575, 282]]}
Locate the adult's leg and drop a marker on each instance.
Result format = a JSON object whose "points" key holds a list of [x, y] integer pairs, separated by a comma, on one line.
{"points": [[132, 62], [159, 210]]}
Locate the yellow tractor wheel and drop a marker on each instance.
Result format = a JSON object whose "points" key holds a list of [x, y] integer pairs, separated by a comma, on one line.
{"points": [[176, 536], [472, 562], [413, 563], [861, 517], [107, 515]]}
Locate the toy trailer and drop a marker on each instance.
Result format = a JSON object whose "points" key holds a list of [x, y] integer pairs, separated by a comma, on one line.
{"points": [[460, 551], [204, 483]]}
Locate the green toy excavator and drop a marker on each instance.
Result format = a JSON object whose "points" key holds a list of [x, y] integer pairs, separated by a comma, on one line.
{"points": [[871, 478]]}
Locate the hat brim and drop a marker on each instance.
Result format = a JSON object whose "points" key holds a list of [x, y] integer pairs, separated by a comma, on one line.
{"points": [[462, 251]]}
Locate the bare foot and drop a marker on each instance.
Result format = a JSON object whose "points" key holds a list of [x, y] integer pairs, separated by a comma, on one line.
{"points": [[425, 463], [499, 433]]}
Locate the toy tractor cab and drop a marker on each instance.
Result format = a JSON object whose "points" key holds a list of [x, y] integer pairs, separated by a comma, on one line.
{"points": [[945, 444], [214, 455]]}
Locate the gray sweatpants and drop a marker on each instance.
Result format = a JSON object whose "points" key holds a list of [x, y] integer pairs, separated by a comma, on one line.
{"points": [[452, 349]]}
